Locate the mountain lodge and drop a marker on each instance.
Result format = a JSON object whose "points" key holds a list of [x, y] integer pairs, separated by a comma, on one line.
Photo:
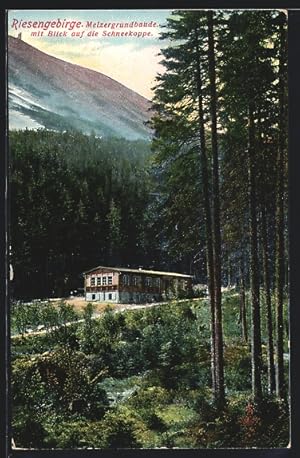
{"points": [[124, 285]]}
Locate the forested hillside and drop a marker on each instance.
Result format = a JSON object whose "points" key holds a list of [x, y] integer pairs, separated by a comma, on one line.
{"points": [[76, 202]]}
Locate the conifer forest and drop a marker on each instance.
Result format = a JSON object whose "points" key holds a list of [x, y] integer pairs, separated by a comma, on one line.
{"points": [[206, 195]]}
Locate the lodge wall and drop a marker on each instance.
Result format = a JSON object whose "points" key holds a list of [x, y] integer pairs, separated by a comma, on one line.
{"points": [[104, 285]]}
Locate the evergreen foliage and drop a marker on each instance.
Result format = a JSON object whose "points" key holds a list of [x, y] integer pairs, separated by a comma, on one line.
{"points": [[76, 202], [207, 197]]}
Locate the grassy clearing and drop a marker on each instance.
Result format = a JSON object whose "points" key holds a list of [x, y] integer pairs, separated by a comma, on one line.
{"points": [[175, 415]]}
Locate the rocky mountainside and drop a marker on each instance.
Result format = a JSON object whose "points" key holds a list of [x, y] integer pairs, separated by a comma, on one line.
{"points": [[48, 92]]}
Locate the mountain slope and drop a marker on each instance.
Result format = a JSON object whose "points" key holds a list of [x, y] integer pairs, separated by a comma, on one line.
{"points": [[48, 92]]}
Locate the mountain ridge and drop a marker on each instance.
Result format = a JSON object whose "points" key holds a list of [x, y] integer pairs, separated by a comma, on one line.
{"points": [[46, 91]]}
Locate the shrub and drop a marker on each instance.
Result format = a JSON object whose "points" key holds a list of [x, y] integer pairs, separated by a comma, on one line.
{"points": [[149, 397], [121, 428], [28, 429], [67, 434], [238, 367], [266, 425], [62, 380], [214, 429]]}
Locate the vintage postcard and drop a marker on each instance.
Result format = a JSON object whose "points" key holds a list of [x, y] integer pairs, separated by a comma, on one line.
{"points": [[149, 265]]}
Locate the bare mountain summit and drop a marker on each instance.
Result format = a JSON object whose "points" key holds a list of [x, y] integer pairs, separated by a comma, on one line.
{"points": [[48, 92]]}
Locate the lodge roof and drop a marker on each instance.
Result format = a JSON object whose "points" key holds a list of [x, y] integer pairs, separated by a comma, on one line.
{"points": [[140, 271]]}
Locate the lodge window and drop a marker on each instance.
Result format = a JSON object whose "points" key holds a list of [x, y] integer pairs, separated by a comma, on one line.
{"points": [[98, 281], [93, 281], [157, 282], [148, 281], [136, 280], [110, 280], [109, 296], [126, 280], [104, 281]]}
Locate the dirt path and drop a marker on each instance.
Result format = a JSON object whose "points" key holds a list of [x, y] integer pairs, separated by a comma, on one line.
{"points": [[79, 304]]}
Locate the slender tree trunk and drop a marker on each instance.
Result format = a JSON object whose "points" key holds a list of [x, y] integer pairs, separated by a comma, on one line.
{"points": [[207, 213], [254, 267], [228, 271], [243, 316], [279, 266], [229, 276], [267, 288], [47, 291], [287, 280], [220, 389]]}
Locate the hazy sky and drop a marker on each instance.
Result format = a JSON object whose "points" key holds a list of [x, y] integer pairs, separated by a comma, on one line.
{"points": [[130, 60]]}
